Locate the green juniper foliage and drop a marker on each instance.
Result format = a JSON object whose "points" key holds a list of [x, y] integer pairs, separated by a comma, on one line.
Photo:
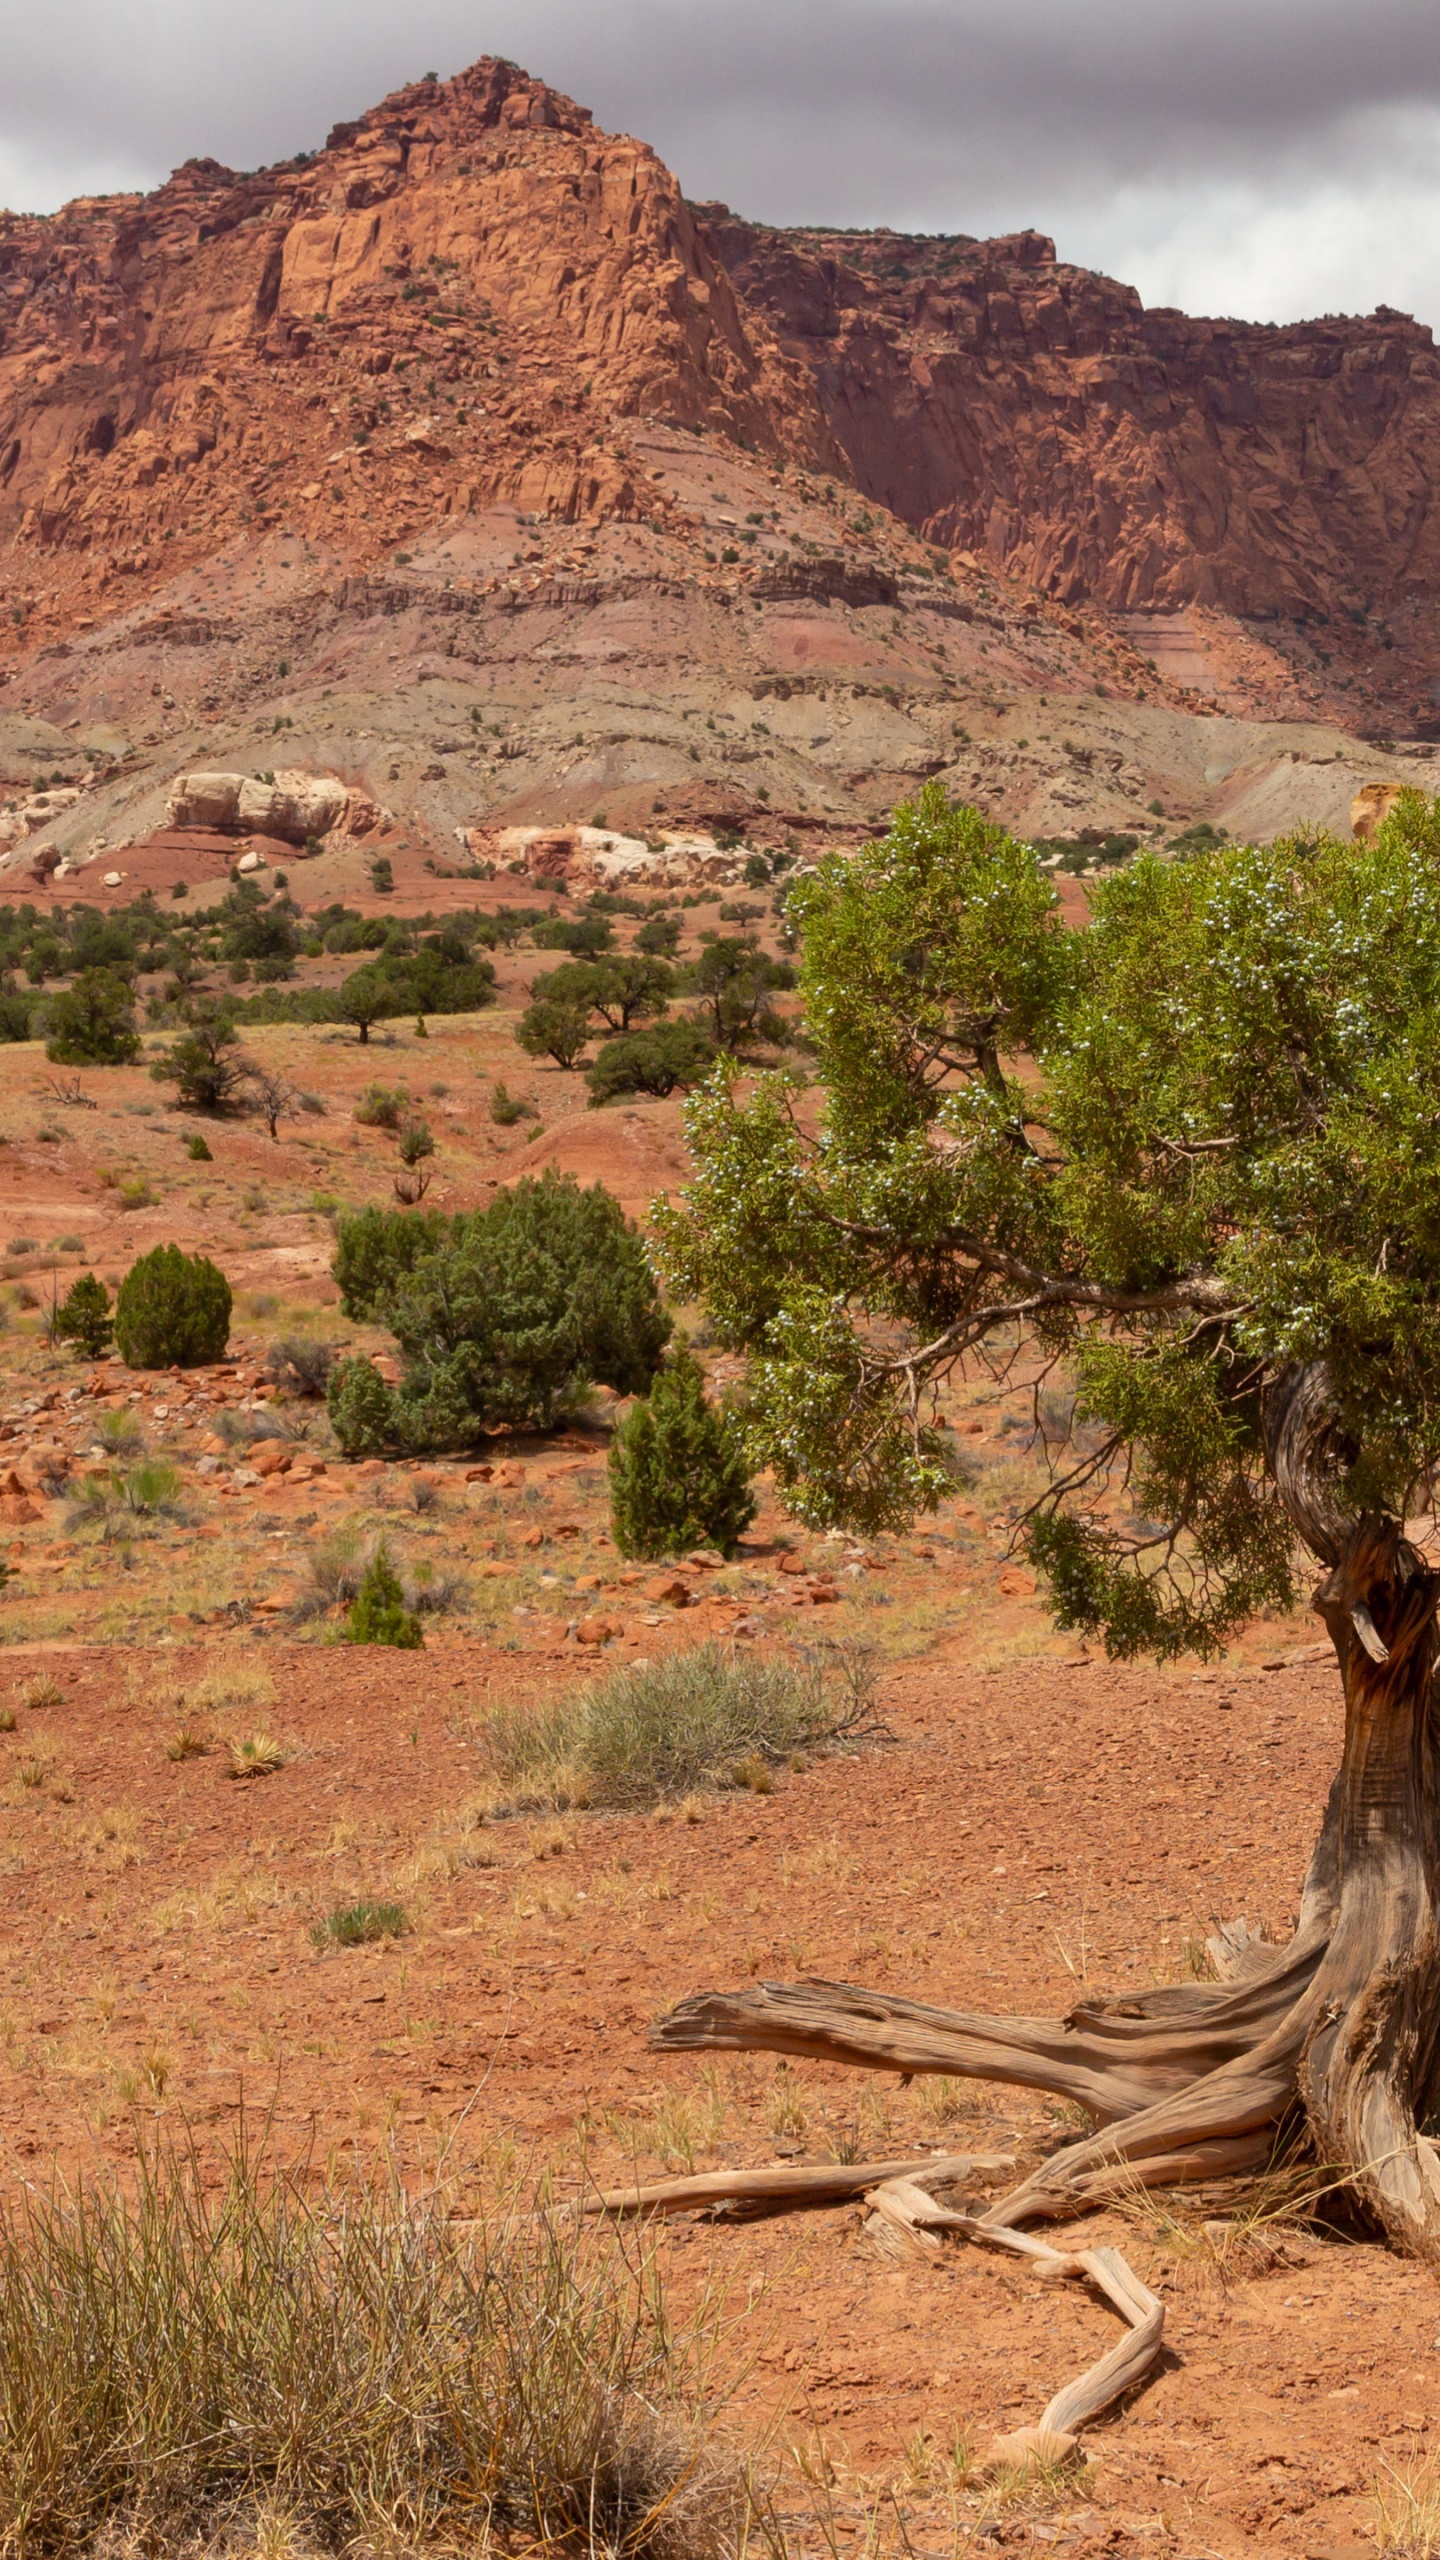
{"points": [[361, 1408], [83, 1317], [503, 1316], [652, 1061], [172, 1309], [1178, 1152], [92, 1024], [378, 1614], [678, 1474]]}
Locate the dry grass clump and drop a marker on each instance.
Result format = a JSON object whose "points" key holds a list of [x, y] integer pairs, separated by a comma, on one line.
{"points": [[715, 1717], [231, 1680], [255, 1755], [1407, 2508], [338, 1566], [41, 1692], [184, 2357]]}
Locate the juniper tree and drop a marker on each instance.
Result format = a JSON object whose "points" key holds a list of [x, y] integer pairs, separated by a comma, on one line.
{"points": [[1190, 1154], [678, 1476]]}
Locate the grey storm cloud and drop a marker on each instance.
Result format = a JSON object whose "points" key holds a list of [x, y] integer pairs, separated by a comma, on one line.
{"points": [[1275, 157]]}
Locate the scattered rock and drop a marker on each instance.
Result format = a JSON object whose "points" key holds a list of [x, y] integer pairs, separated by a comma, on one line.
{"points": [[671, 1587]]}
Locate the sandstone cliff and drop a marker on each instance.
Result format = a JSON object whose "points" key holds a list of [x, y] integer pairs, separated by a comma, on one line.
{"points": [[505, 483]]}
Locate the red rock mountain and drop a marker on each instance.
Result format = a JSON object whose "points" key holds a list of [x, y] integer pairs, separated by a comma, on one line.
{"points": [[1037, 413], [472, 302]]}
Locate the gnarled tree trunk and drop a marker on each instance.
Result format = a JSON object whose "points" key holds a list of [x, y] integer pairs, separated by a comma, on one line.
{"points": [[1341, 2026]]}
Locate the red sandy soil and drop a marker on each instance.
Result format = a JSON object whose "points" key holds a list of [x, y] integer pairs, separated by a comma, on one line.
{"points": [[1038, 1821], [1027, 1830]]}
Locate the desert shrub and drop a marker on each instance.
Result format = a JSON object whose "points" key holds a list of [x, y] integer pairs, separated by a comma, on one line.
{"points": [[361, 1408], [653, 1061], [733, 979], [301, 1368], [197, 1150], [417, 1141], [120, 1432], [254, 1755], [116, 1501], [622, 988], [584, 936], [678, 1476], [206, 1065], [337, 2356], [359, 1924], [172, 1310], [517, 1309], [506, 1108], [381, 1106], [153, 1485], [548, 1029], [83, 1317], [376, 1248], [656, 1729], [337, 1568], [92, 1023], [378, 1614]]}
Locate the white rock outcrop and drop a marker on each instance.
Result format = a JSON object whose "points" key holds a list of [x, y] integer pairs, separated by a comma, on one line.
{"points": [[294, 807], [598, 858]]}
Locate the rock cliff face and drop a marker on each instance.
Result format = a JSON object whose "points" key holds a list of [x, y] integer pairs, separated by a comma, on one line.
{"points": [[503, 482], [1036, 413], [231, 347]]}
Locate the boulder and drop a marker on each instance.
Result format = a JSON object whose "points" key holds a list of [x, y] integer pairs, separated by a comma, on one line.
{"points": [[294, 807], [671, 1588]]}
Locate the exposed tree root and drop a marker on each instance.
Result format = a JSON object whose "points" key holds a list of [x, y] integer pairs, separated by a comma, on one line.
{"points": [[1340, 2028]]}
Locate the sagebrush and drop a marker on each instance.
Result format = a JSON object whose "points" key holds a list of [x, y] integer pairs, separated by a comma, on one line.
{"points": [[704, 1718]]}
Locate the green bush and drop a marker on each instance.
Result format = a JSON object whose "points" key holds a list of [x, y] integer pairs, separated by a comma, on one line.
{"points": [[197, 1150], [551, 1029], [622, 988], [514, 1312], [380, 1106], [206, 1066], [92, 1024], [172, 1311], [417, 1141], [361, 1409], [506, 1108], [376, 1248], [678, 1476], [83, 1317], [701, 1718], [654, 1062], [378, 1614], [359, 1924]]}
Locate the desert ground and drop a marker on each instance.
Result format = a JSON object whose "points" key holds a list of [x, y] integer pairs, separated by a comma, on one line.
{"points": [[1025, 1820]]}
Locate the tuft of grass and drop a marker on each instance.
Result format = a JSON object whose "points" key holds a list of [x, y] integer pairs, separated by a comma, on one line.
{"points": [[120, 1432], [187, 1742], [8, 1720], [1407, 2508], [41, 1692], [230, 1680], [255, 1755], [358, 1924], [352, 2364], [712, 1717]]}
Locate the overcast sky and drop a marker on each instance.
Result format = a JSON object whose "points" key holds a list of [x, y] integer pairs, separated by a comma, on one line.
{"points": [[1270, 159]]}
